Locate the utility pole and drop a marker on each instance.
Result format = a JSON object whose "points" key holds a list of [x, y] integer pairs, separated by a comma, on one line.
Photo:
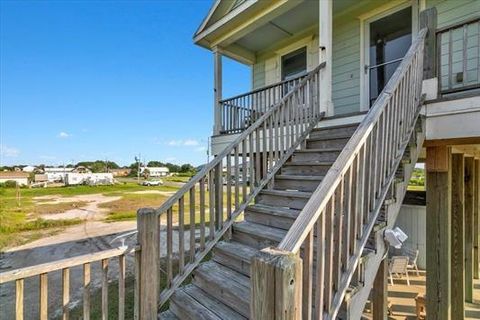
{"points": [[137, 159]]}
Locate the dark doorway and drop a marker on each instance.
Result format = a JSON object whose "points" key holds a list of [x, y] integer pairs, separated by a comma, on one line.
{"points": [[390, 39]]}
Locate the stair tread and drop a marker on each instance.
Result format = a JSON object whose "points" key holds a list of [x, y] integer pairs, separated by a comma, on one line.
{"points": [[195, 310], [236, 249], [232, 287], [331, 136], [274, 211], [167, 315], [338, 126], [260, 231], [319, 150], [298, 177], [309, 163], [287, 193], [212, 304]]}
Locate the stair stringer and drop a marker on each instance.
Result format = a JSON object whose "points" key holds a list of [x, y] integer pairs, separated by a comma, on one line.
{"points": [[353, 308]]}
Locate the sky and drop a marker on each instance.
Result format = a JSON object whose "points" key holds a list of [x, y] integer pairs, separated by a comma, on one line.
{"points": [[87, 80]]}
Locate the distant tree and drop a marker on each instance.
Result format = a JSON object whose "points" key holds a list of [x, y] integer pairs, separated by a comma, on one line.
{"points": [[155, 164], [187, 168], [98, 165]]}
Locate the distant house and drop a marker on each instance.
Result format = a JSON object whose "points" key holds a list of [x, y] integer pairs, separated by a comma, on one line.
{"points": [[21, 178], [41, 177], [81, 169], [28, 169], [121, 172], [57, 174], [73, 178], [156, 171]]}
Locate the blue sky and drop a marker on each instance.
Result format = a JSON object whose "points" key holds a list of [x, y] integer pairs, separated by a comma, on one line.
{"points": [[86, 80]]}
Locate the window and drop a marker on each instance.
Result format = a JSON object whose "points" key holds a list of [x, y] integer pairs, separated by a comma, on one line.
{"points": [[294, 64]]}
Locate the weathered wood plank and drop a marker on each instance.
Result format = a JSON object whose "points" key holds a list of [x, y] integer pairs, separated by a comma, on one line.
{"points": [[121, 287], [276, 285], [65, 293], [43, 295], [458, 233], [380, 292], [105, 289], [469, 225], [439, 233], [86, 291], [19, 286], [147, 237]]}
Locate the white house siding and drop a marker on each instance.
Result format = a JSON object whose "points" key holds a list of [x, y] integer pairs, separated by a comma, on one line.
{"points": [[19, 181], [412, 220]]}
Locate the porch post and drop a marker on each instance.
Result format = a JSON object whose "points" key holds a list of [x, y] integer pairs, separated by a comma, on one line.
{"points": [[438, 167], [217, 91], [325, 55], [458, 234], [476, 223], [380, 292], [276, 285], [469, 230]]}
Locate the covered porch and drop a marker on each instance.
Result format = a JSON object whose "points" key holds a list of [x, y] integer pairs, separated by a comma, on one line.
{"points": [[285, 40]]}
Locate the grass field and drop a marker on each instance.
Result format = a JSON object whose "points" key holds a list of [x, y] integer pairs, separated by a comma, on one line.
{"points": [[20, 219]]}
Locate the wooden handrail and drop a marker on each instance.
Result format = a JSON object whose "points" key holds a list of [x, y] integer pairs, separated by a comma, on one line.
{"points": [[343, 209], [57, 265], [312, 210], [235, 143], [64, 266], [223, 189]]}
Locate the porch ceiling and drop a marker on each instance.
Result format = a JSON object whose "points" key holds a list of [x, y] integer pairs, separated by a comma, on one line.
{"points": [[282, 27]]}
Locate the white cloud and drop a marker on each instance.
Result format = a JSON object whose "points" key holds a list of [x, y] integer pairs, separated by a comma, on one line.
{"points": [[169, 159], [183, 143], [64, 135], [9, 152]]}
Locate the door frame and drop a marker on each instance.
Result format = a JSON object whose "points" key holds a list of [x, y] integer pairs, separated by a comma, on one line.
{"points": [[365, 20]]}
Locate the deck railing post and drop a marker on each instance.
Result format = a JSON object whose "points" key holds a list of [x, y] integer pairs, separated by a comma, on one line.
{"points": [[148, 240], [276, 285], [428, 19]]}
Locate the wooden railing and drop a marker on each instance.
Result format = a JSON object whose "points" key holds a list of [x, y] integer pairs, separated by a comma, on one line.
{"points": [[64, 266], [458, 56], [204, 209], [336, 222], [239, 112]]}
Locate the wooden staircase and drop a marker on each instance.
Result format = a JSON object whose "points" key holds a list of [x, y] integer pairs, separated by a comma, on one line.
{"points": [[220, 288]]}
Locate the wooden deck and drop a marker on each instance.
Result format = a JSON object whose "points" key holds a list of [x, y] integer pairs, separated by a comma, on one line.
{"points": [[402, 298]]}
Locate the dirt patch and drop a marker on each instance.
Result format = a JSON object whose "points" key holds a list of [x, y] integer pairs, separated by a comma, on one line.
{"points": [[90, 210], [54, 208], [166, 193]]}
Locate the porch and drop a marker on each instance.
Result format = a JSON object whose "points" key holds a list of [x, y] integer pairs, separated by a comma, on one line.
{"points": [[282, 43], [402, 298]]}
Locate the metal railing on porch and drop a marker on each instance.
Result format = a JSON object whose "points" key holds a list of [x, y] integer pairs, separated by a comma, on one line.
{"points": [[458, 48], [239, 112], [314, 264]]}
